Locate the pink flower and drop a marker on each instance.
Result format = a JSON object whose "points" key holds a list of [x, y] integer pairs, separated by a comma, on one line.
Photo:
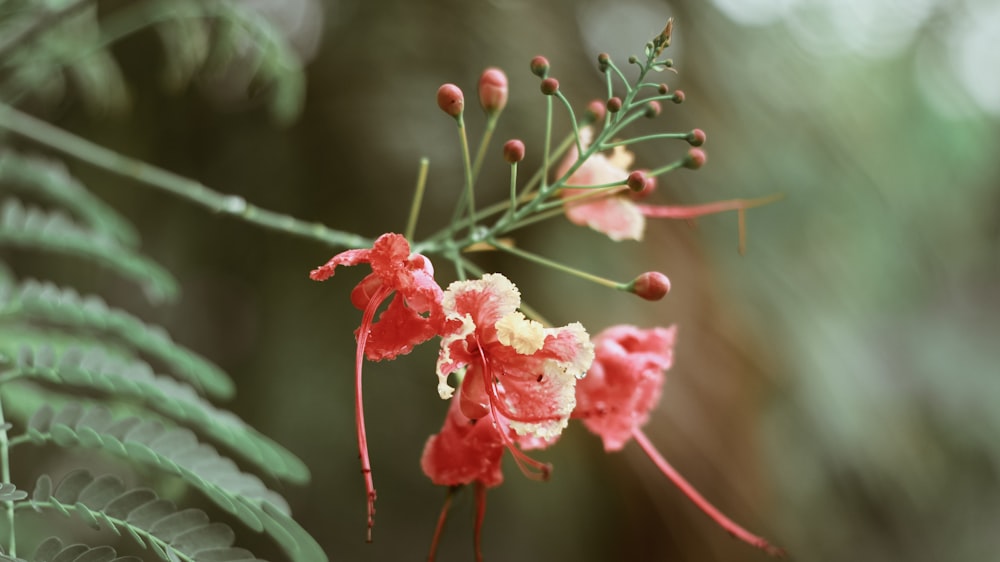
{"points": [[624, 383], [465, 451], [616, 212], [518, 371], [613, 214], [616, 396], [413, 316]]}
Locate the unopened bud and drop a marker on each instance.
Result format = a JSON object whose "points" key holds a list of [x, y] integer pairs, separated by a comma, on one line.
{"points": [[695, 159], [653, 109], [696, 137], [615, 104], [603, 62], [647, 188], [513, 151], [550, 86], [636, 181], [451, 100], [632, 59], [679, 96], [663, 89], [540, 66], [651, 286], [595, 111], [493, 90]]}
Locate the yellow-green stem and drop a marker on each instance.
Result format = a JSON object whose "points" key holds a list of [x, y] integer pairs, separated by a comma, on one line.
{"points": [[418, 197]]}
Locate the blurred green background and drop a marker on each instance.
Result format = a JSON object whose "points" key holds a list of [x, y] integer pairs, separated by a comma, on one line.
{"points": [[836, 390]]}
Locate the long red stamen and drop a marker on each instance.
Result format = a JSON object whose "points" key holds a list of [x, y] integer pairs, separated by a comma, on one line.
{"points": [[694, 211], [538, 470], [439, 529], [359, 409], [480, 516], [692, 494]]}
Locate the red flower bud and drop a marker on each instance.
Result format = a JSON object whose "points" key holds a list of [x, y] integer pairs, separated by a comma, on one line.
{"points": [[651, 285], [653, 109], [451, 100], [493, 90], [615, 104], [695, 159], [595, 111], [679, 96], [696, 137], [663, 89], [540, 66], [636, 181], [513, 151], [550, 86]]}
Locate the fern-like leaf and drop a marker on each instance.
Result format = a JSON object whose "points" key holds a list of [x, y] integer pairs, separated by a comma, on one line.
{"points": [[50, 180], [36, 229], [48, 302], [52, 550], [153, 522], [95, 369], [10, 493], [178, 452]]}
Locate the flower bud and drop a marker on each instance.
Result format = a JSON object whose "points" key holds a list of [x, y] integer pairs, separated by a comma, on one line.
{"points": [[603, 61], [550, 86], [633, 60], [696, 137], [679, 96], [513, 151], [595, 111], [451, 100], [636, 181], [615, 104], [493, 90], [540, 66], [653, 109], [695, 159], [663, 89], [651, 286], [647, 188]]}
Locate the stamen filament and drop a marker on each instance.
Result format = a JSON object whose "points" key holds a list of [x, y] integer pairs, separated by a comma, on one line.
{"points": [[359, 410], [477, 537], [439, 528], [687, 212], [703, 504]]}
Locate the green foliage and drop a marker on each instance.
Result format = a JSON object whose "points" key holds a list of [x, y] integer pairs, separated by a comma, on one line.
{"points": [[79, 373]]}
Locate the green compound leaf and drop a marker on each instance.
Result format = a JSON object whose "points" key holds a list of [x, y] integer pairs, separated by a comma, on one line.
{"points": [[36, 229], [51, 181], [186, 535], [10, 493], [176, 451], [96, 369], [45, 301], [52, 550]]}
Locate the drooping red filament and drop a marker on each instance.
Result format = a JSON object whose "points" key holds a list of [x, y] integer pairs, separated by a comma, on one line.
{"points": [[359, 409], [439, 528], [703, 504]]}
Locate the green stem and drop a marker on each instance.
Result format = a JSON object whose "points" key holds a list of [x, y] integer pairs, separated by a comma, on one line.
{"points": [[5, 479], [44, 133], [559, 267], [484, 144], [418, 197], [645, 138]]}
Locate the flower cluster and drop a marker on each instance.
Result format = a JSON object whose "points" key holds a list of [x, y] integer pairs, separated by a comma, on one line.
{"points": [[514, 382]]}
